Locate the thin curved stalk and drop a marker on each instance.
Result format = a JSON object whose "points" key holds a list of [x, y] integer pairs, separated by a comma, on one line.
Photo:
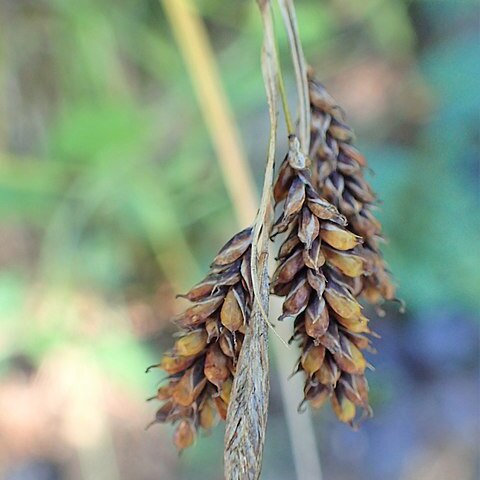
{"points": [[290, 20]]}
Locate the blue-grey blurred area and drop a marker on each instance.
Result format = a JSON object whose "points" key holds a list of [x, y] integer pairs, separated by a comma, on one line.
{"points": [[111, 201]]}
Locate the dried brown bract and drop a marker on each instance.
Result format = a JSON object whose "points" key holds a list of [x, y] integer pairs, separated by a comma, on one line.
{"points": [[202, 362], [338, 171], [320, 264]]}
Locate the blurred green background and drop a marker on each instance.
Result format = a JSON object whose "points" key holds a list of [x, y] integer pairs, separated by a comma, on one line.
{"points": [[111, 200]]}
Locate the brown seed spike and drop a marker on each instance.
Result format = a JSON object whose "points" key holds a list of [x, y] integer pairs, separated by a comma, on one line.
{"points": [[234, 248], [184, 435], [232, 315]]}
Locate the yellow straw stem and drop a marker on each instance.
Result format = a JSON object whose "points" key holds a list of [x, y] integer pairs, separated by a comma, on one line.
{"points": [[193, 41]]}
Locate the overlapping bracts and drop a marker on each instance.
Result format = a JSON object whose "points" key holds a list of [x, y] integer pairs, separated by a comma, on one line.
{"points": [[320, 264], [201, 365], [338, 171]]}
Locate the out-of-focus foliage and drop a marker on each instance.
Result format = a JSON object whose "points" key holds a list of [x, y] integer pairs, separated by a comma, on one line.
{"points": [[111, 200]]}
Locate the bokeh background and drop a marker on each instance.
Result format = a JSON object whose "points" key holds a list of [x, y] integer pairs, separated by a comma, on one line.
{"points": [[111, 200]]}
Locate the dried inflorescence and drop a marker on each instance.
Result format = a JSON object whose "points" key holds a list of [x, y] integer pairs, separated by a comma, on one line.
{"points": [[319, 271], [329, 259], [202, 363], [338, 172]]}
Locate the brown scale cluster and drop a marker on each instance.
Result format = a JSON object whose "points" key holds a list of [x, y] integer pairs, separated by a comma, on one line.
{"points": [[338, 171], [202, 363], [318, 274]]}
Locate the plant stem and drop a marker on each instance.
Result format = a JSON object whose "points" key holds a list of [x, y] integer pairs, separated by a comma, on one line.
{"points": [[197, 52]]}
